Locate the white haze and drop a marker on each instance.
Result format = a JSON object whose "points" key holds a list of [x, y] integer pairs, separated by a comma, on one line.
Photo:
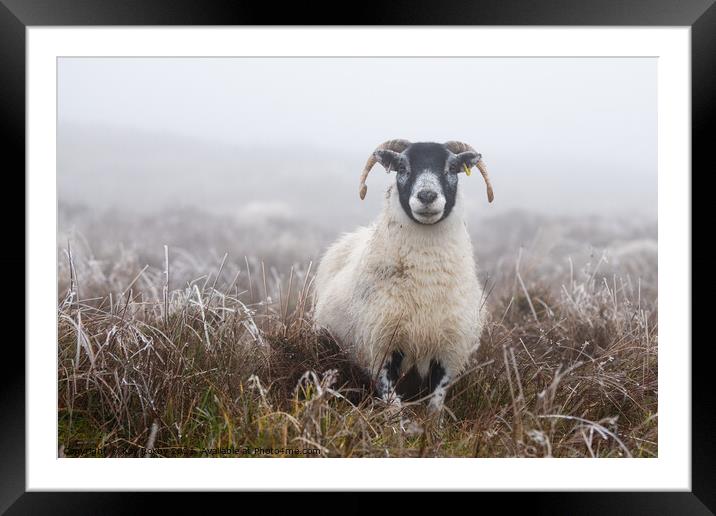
{"points": [[257, 136]]}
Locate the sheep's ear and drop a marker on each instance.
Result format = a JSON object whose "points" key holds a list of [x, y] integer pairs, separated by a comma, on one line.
{"points": [[467, 159], [388, 158]]}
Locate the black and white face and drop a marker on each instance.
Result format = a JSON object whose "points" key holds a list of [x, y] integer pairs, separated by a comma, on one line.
{"points": [[427, 179]]}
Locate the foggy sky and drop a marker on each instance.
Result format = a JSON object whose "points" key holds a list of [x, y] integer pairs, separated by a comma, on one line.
{"points": [[559, 135]]}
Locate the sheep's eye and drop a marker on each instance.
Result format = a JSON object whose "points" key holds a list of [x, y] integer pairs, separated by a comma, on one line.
{"points": [[402, 169]]}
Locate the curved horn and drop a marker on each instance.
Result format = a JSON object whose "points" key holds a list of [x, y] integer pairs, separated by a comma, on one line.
{"points": [[394, 145], [457, 148]]}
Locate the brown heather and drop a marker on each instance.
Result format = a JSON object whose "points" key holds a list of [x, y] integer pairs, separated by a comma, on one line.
{"points": [[566, 368]]}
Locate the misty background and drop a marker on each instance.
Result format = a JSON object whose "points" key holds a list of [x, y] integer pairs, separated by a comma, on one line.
{"points": [[260, 157]]}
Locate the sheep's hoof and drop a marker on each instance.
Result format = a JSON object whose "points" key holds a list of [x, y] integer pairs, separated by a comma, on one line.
{"points": [[435, 408], [435, 415]]}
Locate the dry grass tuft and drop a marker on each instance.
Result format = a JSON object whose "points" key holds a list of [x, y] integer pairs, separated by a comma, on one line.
{"points": [[230, 361]]}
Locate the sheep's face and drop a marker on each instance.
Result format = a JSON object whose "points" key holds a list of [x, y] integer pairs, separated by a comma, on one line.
{"points": [[426, 179]]}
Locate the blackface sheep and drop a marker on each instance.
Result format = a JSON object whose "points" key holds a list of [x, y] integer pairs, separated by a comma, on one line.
{"points": [[402, 295]]}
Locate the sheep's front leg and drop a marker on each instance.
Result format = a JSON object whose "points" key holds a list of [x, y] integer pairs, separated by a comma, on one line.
{"points": [[388, 376], [439, 379]]}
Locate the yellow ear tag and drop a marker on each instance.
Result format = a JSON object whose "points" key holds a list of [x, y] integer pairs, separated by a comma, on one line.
{"points": [[467, 169]]}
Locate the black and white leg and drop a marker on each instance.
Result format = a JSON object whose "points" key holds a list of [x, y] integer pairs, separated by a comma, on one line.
{"points": [[388, 377], [439, 380]]}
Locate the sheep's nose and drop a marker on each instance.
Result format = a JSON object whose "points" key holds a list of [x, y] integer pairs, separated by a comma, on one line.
{"points": [[427, 196]]}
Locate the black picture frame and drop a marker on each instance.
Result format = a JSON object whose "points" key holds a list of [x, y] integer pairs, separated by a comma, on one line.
{"points": [[16, 15]]}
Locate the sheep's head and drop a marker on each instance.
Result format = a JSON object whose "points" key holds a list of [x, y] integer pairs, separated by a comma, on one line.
{"points": [[426, 176]]}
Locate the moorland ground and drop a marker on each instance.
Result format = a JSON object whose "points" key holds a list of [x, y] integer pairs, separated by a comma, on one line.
{"points": [[207, 347]]}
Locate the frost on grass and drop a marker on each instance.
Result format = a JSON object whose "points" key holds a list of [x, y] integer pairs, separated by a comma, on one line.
{"points": [[183, 352]]}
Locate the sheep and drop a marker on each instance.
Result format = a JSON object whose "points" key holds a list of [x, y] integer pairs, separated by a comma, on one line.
{"points": [[402, 295]]}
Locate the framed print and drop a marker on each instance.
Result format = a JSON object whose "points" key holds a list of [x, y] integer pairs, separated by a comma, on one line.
{"points": [[224, 295]]}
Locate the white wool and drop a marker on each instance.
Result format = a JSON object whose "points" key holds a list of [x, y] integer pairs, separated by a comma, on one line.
{"points": [[402, 285]]}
